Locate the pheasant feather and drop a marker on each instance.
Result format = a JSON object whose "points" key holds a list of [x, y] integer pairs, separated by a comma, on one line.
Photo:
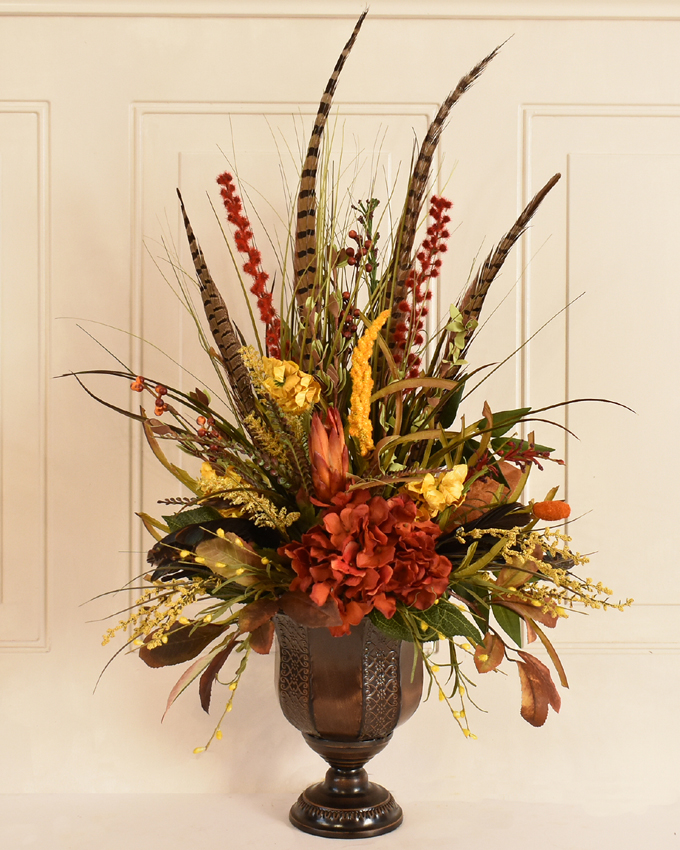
{"points": [[226, 338], [305, 236], [472, 301], [418, 184]]}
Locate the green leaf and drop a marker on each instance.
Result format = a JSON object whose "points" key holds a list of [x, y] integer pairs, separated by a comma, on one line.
{"points": [[193, 517], [395, 628], [448, 620], [450, 407], [415, 384], [509, 621], [179, 473], [506, 419], [475, 601]]}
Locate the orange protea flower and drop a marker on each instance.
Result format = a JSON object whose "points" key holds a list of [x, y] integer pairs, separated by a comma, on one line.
{"points": [[362, 386], [551, 511], [329, 456], [370, 553]]}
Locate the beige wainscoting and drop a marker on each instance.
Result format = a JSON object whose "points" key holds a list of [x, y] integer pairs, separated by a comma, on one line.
{"points": [[106, 107]]}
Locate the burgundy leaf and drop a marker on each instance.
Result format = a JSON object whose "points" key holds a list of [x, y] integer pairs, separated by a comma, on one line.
{"points": [[183, 644], [299, 607], [257, 614], [261, 638], [208, 678]]}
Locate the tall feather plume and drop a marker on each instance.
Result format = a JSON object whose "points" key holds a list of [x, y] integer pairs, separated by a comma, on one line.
{"points": [[396, 288], [470, 305], [304, 260], [226, 338]]}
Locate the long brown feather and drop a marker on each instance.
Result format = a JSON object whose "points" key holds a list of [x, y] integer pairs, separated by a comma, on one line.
{"points": [[305, 236], [226, 338], [418, 184], [470, 305]]}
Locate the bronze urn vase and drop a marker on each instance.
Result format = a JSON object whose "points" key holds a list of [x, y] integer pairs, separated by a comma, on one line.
{"points": [[346, 695]]}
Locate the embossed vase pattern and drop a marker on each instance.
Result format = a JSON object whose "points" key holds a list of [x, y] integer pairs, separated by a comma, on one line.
{"points": [[346, 695]]}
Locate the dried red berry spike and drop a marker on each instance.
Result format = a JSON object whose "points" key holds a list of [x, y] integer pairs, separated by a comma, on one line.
{"points": [[411, 309], [243, 235]]}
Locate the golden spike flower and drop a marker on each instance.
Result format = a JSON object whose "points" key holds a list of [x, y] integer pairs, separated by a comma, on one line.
{"points": [[362, 386]]}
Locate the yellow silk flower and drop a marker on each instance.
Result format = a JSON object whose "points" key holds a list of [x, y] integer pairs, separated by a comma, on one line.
{"points": [[292, 389], [440, 492]]}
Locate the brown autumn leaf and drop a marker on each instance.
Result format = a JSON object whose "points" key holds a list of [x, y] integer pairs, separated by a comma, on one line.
{"points": [[230, 551], [262, 638], [183, 644], [482, 493], [160, 429], [516, 574], [210, 674], [489, 653], [538, 690], [545, 618], [299, 607], [200, 396], [257, 614]]}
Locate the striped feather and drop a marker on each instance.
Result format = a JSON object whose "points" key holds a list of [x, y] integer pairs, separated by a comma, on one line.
{"points": [[304, 260], [226, 338], [418, 184], [470, 305]]}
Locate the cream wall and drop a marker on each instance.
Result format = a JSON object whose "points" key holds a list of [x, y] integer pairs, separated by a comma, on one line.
{"points": [[104, 108]]}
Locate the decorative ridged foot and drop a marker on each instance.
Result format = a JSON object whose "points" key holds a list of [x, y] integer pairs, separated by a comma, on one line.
{"points": [[322, 811]]}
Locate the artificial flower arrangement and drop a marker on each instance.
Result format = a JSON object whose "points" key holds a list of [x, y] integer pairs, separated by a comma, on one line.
{"points": [[337, 481]]}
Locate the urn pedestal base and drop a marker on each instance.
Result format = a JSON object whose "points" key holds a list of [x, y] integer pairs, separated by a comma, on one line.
{"points": [[346, 695], [346, 804]]}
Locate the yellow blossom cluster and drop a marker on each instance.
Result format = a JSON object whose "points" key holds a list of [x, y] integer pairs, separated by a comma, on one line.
{"points": [[362, 386], [529, 551], [272, 444], [212, 484], [442, 491], [157, 610], [233, 488], [293, 390]]}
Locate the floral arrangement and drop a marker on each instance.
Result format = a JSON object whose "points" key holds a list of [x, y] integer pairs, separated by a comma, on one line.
{"points": [[336, 479]]}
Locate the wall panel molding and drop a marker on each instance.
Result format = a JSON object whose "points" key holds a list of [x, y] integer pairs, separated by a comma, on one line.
{"points": [[609, 10], [23, 372]]}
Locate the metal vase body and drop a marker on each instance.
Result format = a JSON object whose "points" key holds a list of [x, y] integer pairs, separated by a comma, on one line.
{"points": [[346, 695]]}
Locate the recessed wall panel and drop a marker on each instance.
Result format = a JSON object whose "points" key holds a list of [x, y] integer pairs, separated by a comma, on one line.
{"points": [[22, 375], [611, 253]]}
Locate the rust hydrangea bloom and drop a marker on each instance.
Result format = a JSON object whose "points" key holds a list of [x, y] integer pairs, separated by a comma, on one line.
{"points": [[368, 553]]}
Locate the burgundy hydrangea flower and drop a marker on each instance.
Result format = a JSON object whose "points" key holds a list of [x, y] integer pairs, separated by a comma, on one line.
{"points": [[368, 553]]}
